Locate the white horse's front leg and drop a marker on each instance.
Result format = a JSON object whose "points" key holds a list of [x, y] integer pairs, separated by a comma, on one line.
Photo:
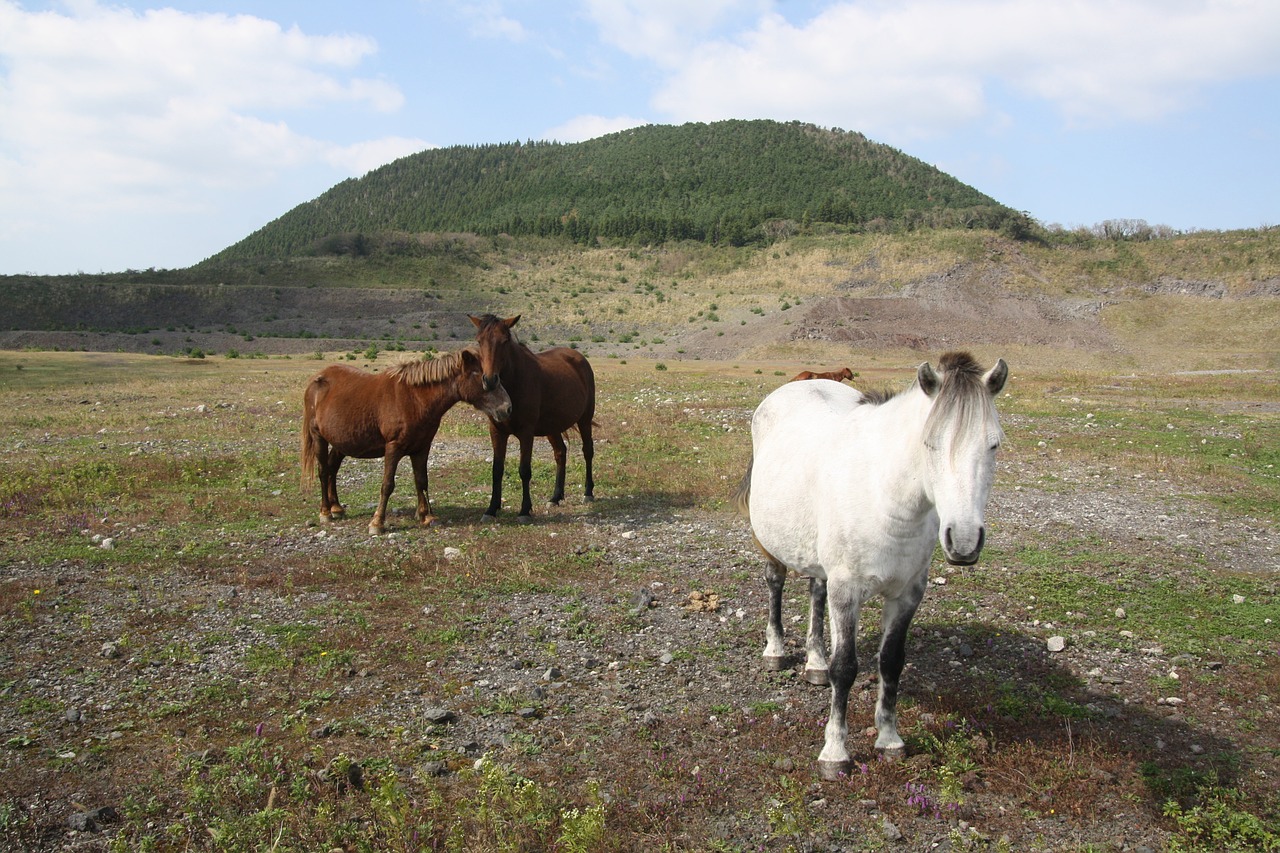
{"points": [[834, 760], [895, 623]]}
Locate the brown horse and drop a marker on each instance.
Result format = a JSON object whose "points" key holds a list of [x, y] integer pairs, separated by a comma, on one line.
{"points": [[836, 375], [347, 412], [551, 392]]}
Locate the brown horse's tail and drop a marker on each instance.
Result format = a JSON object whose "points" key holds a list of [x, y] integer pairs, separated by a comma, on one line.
{"points": [[742, 494], [308, 454]]}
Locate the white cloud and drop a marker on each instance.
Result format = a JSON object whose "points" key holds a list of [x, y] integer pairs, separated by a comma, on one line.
{"points": [[589, 127], [487, 20], [664, 30], [365, 156], [920, 67], [102, 107]]}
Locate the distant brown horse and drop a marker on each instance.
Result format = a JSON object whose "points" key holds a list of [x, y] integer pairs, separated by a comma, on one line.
{"points": [[836, 375], [551, 392], [347, 412]]}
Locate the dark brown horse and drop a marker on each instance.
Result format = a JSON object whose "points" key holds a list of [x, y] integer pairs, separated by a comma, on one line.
{"points": [[347, 412], [836, 375], [551, 392]]}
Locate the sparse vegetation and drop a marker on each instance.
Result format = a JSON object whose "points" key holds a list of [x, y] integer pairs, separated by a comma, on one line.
{"points": [[271, 679]]}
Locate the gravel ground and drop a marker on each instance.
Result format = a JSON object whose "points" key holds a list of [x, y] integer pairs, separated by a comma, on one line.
{"points": [[663, 649]]}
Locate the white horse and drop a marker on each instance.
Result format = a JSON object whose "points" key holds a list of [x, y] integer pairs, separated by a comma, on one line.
{"points": [[852, 490]]}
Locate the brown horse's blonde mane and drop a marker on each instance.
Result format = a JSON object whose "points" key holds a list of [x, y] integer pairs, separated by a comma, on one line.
{"points": [[427, 370]]}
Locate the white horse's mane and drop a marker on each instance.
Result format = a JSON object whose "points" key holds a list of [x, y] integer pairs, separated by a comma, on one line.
{"points": [[962, 403]]}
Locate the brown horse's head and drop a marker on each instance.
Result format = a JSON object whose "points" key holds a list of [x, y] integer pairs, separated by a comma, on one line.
{"points": [[495, 339], [492, 401]]}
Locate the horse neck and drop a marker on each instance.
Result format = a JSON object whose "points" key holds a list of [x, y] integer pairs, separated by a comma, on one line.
{"points": [[522, 366], [899, 454], [437, 396]]}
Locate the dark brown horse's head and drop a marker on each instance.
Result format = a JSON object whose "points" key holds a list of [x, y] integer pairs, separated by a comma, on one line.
{"points": [[472, 388], [495, 339]]}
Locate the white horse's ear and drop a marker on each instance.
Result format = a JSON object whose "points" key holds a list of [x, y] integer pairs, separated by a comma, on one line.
{"points": [[996, 376], [929, 382]]}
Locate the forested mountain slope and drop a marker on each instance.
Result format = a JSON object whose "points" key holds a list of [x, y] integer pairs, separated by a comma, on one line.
{"points": [[726, 183]]}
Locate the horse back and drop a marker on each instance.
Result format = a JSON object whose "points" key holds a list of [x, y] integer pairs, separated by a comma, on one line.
{"points": [[560, 388], [358, 412]]}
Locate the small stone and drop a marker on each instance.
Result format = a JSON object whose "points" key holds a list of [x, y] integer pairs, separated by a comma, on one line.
{"points": [[1237, 599], [552, 673], [452, 553], [110, 650], [439, 715], [1120, 613], [108, 544], [1057, 644], [666, 658], [889, 831], [630, 534], [641, 601], [72, 715], [93, 820]]}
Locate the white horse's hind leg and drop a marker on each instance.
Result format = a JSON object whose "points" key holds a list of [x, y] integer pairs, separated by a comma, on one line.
{"points": [[834, 760], [815, 645], [775, 575], [898, 614]]}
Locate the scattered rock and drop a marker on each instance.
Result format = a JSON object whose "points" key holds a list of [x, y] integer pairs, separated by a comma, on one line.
{"points": [[439, 715], [93, 820], [1056, 644], [641, 601]]}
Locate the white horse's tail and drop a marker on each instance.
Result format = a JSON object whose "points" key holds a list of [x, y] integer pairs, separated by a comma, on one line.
{"points": [[742, 494]]}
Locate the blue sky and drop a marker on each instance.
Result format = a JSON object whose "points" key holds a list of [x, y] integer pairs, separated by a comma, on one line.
{"points": [[136, 134]]}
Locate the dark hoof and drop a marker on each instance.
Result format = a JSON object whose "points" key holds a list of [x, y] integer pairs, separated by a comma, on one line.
{"points": [[553, 502], [488, 519], [588, 498], [834, 771], [892, 754], [817, 676], [775, 663], [524, 519]]}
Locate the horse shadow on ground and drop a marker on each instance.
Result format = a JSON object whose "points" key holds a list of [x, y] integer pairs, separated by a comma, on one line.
{"points": [[1025, 716]]}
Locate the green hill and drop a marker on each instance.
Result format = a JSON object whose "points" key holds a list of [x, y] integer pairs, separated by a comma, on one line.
{"points": [[728, 183]]}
